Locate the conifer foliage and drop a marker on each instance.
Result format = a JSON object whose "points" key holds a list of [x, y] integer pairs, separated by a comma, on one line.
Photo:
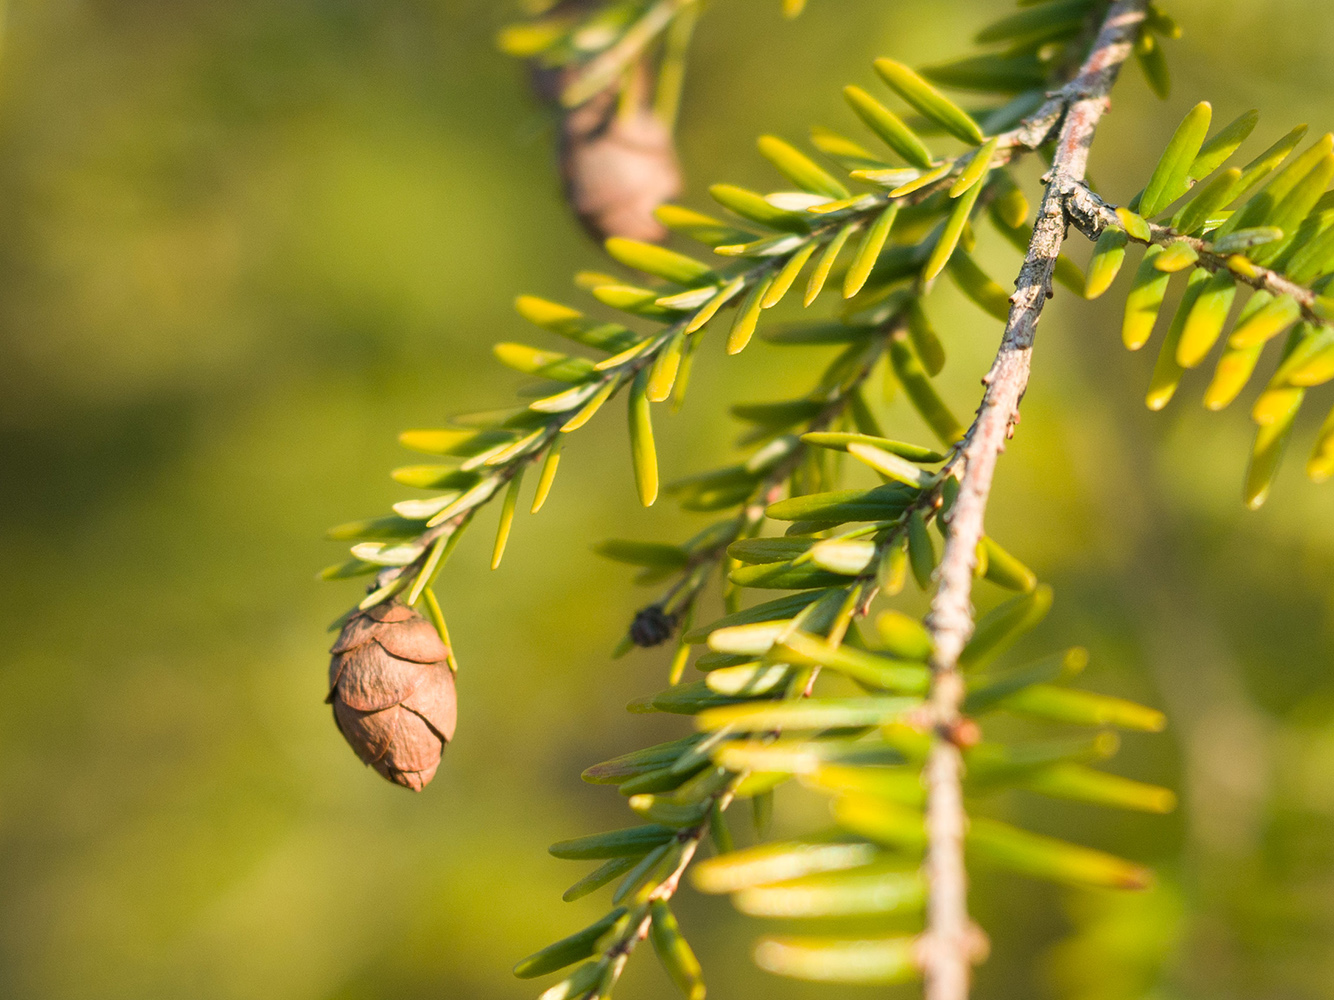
{"points": [[810, 675]]}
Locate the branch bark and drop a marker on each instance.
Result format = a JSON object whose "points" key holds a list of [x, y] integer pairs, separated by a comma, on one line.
{"points": [[1090, 214], [950, 941]]}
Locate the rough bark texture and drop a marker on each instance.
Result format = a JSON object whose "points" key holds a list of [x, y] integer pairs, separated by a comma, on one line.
{"points": [[950, 941], [1091, 215]]}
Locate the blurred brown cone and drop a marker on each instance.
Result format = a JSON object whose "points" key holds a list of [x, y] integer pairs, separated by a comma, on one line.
{"points": [[618, 163], [393, 693]]}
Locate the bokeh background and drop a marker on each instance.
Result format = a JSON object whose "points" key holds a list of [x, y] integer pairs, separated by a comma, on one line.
{"points": [[242, 244]]}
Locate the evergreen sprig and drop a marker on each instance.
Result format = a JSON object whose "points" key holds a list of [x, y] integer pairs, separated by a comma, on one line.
{"points": [[598, 41], [929, 209], [891, 727], [1267, 226]]}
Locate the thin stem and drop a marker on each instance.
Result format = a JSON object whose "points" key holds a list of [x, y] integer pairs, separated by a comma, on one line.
{"points": [[1090, 214], [600, 71], [618, 953], [683, 593], [672, 68], [950, 939]]}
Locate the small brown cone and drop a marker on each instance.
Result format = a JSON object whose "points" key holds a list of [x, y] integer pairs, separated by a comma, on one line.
{"points": [[618, 167], [393, 693], [617, 158]]}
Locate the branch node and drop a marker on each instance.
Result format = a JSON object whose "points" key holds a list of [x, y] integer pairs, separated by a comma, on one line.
{"points": [[963, 733]]}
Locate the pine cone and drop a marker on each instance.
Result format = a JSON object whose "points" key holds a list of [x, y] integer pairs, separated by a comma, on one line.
{"points": [[393, 693], [618, 164], [618, 168]]}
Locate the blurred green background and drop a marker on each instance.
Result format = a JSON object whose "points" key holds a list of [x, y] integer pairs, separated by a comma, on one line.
{"points": [[245, 243]]}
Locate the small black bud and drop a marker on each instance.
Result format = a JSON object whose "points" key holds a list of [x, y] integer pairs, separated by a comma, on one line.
{"points": [[652, 626]]}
